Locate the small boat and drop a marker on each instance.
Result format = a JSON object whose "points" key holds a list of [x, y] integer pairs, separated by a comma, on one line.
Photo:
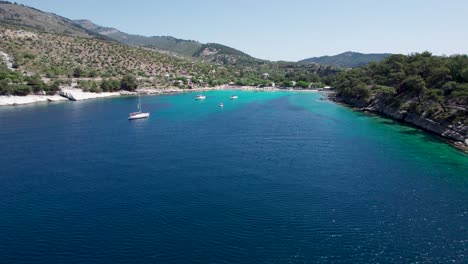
{"points": [[221, 104], [200, 97], [233, 97], [139, 114]]}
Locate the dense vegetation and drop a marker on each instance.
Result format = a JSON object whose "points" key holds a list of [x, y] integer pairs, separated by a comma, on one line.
{"points": [[430, 86], [15, 83], [421, 75]]}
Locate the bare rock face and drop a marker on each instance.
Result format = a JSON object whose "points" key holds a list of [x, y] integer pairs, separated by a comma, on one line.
{"points": [[453, 133]]}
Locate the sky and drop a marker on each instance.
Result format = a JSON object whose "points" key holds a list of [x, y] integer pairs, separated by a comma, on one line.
{"points": [[286, 30]]}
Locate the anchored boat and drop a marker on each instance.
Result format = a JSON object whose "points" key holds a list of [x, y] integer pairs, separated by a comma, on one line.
{"points": [[139, 114]]}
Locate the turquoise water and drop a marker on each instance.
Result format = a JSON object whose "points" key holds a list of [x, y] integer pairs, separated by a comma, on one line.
{"points": [[273, 177]]}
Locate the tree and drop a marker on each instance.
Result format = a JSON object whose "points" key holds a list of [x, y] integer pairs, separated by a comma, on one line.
{"points": [[36, 83], [437, 95], [362, 91], [464, 74], [415, 84], [128, 83], [21, 89], [302, 84], [287, 84], [78, 72], [53, 87]]}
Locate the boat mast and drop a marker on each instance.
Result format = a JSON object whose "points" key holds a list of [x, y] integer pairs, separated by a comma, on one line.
{"points": [[139, 103]]}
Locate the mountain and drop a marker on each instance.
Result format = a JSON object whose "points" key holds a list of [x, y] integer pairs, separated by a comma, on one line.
{"points": [[43, 44], [348, 59], [210, 52], [31, 18], [164, 43], [224, 55]]}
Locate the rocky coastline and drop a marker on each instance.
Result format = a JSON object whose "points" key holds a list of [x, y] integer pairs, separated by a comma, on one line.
{"points": [[455, 133]]}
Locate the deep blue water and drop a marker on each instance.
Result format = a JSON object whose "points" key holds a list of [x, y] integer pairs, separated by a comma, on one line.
{"points": [[271, 178]]}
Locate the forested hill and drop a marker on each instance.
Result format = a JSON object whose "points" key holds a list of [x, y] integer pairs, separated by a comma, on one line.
{"points": [[428, 91], [348, 59]]}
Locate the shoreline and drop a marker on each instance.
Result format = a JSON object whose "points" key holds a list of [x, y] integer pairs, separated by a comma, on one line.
{"points": [[75, 94], [459, 145]]}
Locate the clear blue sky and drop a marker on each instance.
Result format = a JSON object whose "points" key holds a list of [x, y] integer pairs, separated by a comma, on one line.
{"points": [[286, 30]]}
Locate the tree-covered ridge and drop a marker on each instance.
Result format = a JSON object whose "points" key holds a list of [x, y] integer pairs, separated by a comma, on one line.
{"points": [[348, 59], [421, 75], [429, 86]]}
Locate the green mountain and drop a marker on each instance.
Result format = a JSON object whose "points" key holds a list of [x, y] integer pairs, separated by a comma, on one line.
{"points": [[348, 59], [31, 18]]}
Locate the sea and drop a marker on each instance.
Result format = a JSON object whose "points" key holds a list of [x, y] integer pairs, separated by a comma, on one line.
{"points": [[272, 177]]}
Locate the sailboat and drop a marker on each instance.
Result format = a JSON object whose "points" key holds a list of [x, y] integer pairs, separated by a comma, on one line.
{"points": [[139, 114], [200, 97]]}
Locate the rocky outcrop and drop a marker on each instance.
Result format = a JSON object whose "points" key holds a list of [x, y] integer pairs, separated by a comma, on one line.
{"points": [[5, 58], [75, 94], [29, 99]]}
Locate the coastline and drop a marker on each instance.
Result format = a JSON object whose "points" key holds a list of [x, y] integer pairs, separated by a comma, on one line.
{"points": [[445, 133], [75, 94]]}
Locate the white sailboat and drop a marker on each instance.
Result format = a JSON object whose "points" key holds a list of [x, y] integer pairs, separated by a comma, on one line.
{"points": [[139, 114], [200, 97]]}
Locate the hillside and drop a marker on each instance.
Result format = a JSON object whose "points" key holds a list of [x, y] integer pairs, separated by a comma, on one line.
{"points": [[210, 52], [59, 56], [224, 55], [427, 91], [347, 59], [164, 43], [31, 18]]}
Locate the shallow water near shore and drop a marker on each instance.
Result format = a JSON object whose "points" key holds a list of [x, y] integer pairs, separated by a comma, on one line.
{"points": [[273, 177]]}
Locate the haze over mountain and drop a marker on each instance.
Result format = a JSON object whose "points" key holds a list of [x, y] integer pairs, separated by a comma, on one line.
{"points": [[348, 59]]}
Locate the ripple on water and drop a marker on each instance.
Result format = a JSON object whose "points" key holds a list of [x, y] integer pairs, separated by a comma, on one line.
{"points": [[272, 178]]}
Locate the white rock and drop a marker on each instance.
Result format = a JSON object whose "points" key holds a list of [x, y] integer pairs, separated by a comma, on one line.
{"points": [[29, 99], [75, 94]]}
